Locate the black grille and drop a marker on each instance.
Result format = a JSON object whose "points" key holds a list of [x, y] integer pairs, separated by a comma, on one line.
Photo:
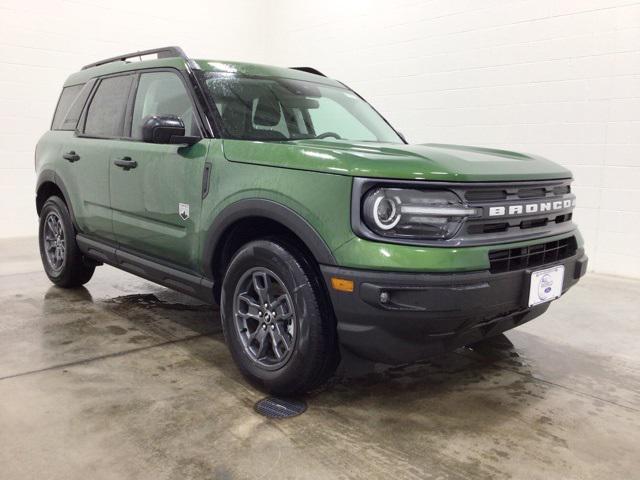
{"points": [[531, 192], [490, 194], [484, 195], [487, 227], [562, 190], [532, 256]]}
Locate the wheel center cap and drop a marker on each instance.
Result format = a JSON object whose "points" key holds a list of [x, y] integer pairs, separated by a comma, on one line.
{"points": [[267, 318]]}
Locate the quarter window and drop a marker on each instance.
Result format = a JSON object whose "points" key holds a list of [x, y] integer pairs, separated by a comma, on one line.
{"points": [[162, 93], [69, 94], [70, 121], [105, 115]]}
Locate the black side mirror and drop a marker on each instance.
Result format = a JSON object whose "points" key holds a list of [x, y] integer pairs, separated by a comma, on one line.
{"points": [[166, 129]]}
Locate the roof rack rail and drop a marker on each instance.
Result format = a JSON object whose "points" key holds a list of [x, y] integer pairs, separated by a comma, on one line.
{"points": [[309, 70], [164, 52]]}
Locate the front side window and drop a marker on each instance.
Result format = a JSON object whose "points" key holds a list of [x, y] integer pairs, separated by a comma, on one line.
{"points": [[162, 93], [272, 109], [105, 115]]}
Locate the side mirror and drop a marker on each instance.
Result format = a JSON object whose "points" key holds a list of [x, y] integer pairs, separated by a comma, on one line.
{"points": [[166, 129]]}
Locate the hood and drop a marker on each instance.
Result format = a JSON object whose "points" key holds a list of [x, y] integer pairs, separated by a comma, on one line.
{"points": [[431, 161]]}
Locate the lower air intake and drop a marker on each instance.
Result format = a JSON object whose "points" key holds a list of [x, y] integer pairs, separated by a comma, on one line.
{"points": [[531, 256]]}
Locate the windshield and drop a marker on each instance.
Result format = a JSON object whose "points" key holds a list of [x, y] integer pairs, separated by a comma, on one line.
{"points": [[272, 109]]}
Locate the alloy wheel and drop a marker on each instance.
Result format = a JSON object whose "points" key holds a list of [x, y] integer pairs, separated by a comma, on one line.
{"points": [[265, 318], [54, 241]]}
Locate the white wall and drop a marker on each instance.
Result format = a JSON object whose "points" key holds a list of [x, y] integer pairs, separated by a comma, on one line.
{"points": [[42, 42], [560, 78]]}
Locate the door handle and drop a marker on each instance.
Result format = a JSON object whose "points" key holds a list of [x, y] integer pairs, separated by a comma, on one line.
{"points": [[71, 156], [125, 162]]}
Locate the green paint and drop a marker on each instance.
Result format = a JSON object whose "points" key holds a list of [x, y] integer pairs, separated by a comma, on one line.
{"points": [[139, 208]]}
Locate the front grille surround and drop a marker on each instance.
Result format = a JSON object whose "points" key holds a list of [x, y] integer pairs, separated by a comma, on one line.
{"points": [[484, 228], [549, 222]]}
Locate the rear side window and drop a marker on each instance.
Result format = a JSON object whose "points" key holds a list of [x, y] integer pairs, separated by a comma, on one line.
{"points": [[70, 122], [67, 98], [105, 116]]}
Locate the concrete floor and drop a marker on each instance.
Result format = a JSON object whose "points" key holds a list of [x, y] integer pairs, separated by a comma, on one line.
{"points": [[125, 379]]}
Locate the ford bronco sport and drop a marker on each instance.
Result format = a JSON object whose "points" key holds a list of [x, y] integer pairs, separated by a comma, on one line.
{"points": [[285, 198]]}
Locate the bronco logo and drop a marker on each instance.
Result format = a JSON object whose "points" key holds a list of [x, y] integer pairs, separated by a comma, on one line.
{"points": [[530, 208]]}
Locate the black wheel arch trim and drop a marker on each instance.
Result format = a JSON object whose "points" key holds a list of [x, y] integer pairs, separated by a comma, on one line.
{"points": [[49, 176], [259, 207]]}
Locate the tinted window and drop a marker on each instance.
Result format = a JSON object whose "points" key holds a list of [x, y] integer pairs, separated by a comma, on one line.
{"points": [[162, 93], [105, 115], [69, 94], [71, 120]]}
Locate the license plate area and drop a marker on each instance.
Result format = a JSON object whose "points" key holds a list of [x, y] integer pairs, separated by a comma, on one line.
{"points": [[546, 285]]}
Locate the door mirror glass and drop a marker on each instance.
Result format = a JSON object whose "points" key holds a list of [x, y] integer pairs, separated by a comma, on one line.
{"points": [[165, 129]]}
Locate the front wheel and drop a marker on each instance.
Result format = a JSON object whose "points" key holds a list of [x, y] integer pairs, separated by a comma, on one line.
{"points": [[276, 319], [62, 260]]}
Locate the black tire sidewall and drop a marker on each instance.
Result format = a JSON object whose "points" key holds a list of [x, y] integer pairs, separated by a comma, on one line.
{"points": [[73, 257], [298, 370]]}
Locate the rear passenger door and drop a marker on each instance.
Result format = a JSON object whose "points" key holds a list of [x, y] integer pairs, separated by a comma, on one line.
{"points": [[89, 151], [156, 204]]}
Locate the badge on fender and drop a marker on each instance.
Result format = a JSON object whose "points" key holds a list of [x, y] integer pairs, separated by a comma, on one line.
{"points": [[183, 210]]}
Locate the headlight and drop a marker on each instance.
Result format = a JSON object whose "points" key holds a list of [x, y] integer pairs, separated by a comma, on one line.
{"points": [[427, 214]]}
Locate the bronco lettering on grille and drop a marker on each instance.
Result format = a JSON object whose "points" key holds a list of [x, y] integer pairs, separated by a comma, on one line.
{"points": [[531, 208]]}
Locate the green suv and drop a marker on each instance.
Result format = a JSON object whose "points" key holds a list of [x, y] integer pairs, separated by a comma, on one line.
{"points": [[285, 198]]}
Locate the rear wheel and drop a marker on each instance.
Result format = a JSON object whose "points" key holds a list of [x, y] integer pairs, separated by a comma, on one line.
{"points": [[62, 260], [276, 320]]}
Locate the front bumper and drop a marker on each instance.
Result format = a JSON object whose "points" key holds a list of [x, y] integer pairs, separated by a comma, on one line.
{"points": [[425, 314]]}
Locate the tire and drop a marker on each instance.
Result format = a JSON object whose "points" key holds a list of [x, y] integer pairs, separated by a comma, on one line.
{"points": [[62, 260], [303, 320]]}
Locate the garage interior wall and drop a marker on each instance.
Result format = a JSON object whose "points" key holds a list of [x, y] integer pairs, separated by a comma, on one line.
{"points": [[43, 42], [556, 78]]}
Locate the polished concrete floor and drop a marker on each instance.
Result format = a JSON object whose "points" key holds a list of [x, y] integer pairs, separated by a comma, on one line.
{"points": [[127, 380]]}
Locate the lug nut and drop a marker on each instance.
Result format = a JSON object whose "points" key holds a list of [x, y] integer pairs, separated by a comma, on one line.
{"points": [[273, 327], [264, 326], [259, 314]]}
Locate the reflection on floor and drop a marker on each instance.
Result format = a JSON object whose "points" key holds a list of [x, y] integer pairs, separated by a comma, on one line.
{"points": [[125, 379]]}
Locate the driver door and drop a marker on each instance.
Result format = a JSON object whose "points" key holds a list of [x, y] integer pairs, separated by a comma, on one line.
{"points": [[156, 194]]}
